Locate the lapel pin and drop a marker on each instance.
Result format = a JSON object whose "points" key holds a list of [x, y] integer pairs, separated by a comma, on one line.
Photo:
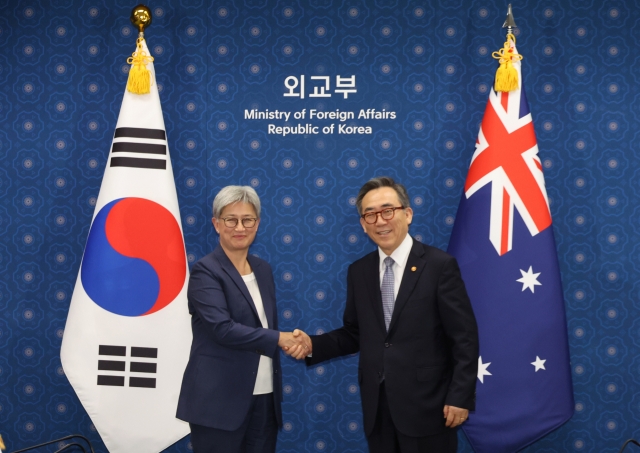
{"points": [[413, 269]]}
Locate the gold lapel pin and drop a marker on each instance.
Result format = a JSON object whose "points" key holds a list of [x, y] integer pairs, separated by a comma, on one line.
{"points": [[413, 269]]}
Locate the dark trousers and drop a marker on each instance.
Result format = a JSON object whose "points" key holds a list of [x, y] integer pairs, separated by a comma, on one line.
{"points": [[385, 438], [257, 434]]}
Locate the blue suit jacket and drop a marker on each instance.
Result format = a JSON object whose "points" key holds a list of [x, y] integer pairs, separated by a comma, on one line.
{"points": [[228, 340]]}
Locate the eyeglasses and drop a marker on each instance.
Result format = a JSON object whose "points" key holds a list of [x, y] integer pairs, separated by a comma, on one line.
{"points": [[232, 222], [386, 214]]}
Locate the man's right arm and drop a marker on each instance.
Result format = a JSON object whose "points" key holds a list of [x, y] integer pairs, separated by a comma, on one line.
{"points": [[342, 341]]}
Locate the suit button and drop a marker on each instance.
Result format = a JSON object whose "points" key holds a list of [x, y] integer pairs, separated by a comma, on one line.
{"points": [[386, 345]]}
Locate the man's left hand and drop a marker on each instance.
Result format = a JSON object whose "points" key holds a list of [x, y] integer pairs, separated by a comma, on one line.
{"points": [[455, 416]]}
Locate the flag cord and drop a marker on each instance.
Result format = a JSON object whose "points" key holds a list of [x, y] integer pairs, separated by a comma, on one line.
{"points": [[506, 75], [139, 76]]}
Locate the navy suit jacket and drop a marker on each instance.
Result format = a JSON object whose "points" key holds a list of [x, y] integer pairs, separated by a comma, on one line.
{"points": [[429, 356], [228, 340]]}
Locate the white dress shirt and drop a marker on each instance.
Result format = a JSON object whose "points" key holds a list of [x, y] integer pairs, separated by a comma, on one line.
{"points": [[264, 379], [400, 257]]}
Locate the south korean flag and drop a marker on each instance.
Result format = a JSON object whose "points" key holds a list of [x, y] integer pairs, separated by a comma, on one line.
{"points": [[127, 338]]}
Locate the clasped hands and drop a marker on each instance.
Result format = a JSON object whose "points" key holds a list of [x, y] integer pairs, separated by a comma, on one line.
{"points": [[296, 344]]}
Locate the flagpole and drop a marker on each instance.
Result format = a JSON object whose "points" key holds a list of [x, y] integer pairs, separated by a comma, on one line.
{"points": [[139, 77], [510, 22], [128, 332], [512, 334], [507, 76]]}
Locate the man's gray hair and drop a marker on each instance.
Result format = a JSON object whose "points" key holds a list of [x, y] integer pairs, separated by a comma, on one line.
{"points": [[379, 182], [235, 194]]}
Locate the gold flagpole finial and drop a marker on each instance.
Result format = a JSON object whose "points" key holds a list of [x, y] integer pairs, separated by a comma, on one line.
{"points": [[141, 17], [139, 76]]}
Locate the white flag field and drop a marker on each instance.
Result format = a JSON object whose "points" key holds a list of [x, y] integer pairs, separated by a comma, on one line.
{"points": [[127, 338]]}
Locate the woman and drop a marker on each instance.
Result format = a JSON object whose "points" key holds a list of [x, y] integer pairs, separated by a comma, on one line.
{"points": [[232, 386]]}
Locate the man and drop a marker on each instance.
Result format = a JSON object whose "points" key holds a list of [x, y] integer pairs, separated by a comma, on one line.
{"points": [[415, 331]]}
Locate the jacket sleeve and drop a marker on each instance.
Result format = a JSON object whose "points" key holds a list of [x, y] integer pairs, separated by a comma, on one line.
{"points": [[462, 334], [209, 300], [342, 341]]}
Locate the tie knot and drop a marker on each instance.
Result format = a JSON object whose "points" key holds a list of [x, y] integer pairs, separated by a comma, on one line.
{"points": [[388, 261]]}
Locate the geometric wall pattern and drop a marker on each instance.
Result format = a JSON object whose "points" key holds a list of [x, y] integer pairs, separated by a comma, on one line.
{"points": [[62, 75]]}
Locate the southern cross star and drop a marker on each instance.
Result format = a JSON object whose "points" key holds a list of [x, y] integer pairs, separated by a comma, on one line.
{"points": [[529, 279], [539, 364], [482, 369]]}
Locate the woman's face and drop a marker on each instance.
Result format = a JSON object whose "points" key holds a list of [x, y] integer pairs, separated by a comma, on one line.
{"points": [[239, 237]]}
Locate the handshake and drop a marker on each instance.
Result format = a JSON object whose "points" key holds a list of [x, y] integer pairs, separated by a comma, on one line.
{"points": [[296, 344]]}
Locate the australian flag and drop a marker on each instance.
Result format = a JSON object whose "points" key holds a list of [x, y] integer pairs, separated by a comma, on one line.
{"points": [[503, 240]]}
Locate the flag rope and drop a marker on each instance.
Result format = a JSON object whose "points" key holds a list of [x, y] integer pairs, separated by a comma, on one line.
{"points": [[506, 75], [139, 76]]}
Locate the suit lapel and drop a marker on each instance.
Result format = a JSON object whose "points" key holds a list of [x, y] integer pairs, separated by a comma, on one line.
{"points": [[412, 272], [263, 278], [373, 276], [232, 272]]}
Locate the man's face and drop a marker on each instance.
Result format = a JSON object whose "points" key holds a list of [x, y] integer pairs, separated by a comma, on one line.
{"points": [[387, 234]]}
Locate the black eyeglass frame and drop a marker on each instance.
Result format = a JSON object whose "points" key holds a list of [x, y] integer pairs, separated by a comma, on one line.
{"points": [[235, 220], [379, 213]]}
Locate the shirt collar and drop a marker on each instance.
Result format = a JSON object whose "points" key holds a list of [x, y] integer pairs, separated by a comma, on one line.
{"points": [[401, 254]]}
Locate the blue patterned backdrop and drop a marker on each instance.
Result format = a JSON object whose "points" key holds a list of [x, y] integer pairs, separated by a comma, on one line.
{"points": [[62, 74]]}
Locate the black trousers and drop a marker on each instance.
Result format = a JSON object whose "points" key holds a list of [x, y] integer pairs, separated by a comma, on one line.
{"points": [[385, 438], [257, 434]]}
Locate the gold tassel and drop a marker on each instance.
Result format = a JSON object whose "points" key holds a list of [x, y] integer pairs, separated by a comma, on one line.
{"points": [[506, 75], [139, 76], [2, 447]]}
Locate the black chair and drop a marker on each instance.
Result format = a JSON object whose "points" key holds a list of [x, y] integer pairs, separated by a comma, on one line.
{"points": [[67, 446], [630, 441]]}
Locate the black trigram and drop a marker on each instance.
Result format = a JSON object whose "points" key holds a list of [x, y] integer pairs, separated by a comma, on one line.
{"points": [[120, 365], [151, 149]]}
